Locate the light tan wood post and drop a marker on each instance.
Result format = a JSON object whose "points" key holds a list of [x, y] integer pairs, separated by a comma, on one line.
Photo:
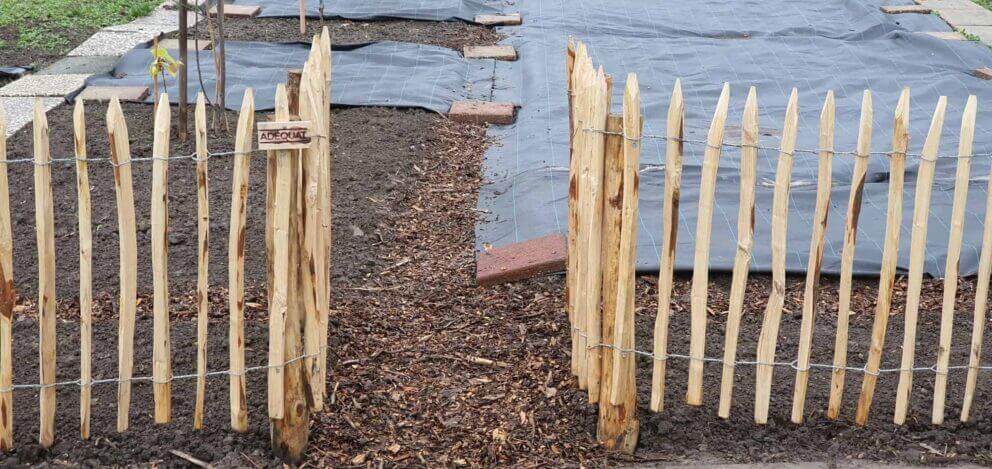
{"points": [[236, 261], [162, 360], [954, 256], [776, 300], [203, 258], [745, 242], [575, 165], [45, 229], [811, 295], [917, 255], [120, 157], [670, 229], [701, 265], [890, 255], [7, 298], [854, 202], [85, 269], [279, 303]]}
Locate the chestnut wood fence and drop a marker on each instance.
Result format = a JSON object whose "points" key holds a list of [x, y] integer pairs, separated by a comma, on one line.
{"points": [[603, 198], [298, 240]]}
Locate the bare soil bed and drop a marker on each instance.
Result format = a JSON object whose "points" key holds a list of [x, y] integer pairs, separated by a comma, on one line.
{"points": [[451, 34]]}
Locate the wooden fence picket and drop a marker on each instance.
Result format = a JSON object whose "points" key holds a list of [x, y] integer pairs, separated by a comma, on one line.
{"points": [[917, 253], [670, 228], [811, 294], [85, 269], [780, 218], [890, 255], [745, 241], [162, 361], [203, 258], [701, 264], [45, 230], [120, 157], [326, 212], [953, 256], [854, 202], [981, 304], [310, 110], [577, 155], [236, 261], [623, 362], [7, 299], [610, 415], [590, 236], [279, 303]]}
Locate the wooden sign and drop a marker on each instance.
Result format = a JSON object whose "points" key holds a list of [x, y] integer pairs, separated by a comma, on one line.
{"points": [[294, 135]]}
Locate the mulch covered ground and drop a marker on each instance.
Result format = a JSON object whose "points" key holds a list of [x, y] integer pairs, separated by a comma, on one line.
{"points": [[427, 368]]}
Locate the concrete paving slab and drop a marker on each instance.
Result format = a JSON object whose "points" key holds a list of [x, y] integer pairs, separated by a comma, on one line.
{"points": [[106, 93], [20, 111], [973, 15], [45, 85], [512, 19], [238, 11], [82, 65], [947, 35], [938, 4], [173, 44], [899, 9], [490, 52], [161, 20], [110, 43], [983, 32]]}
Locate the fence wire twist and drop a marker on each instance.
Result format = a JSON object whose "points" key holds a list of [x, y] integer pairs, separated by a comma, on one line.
{"points": [[79, 382], [794, 364], [794, 152]]}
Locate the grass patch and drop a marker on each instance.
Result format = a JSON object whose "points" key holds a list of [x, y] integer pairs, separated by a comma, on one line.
{"points": [[45, 24], [985, 3]]}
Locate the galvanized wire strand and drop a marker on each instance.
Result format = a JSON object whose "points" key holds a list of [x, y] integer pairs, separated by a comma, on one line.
{"points": [[794, 364], [79, 382], [810, 151]]}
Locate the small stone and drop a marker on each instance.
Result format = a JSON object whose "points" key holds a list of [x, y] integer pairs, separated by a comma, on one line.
{"points": [[176, 239]]}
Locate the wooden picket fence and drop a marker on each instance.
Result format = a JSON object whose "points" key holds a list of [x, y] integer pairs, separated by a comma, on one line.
{"points": [[603, 197], [298, 240]]}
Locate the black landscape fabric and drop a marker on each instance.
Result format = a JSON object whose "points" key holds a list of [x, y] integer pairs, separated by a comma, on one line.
{"points": [[774, 45], [390, 74]]}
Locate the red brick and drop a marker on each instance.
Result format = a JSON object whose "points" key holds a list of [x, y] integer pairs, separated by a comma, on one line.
{"points": [[123, 93], [984, 73], [238, 11], [511, 19], [528, 259], [481, 112], [896, 9]]}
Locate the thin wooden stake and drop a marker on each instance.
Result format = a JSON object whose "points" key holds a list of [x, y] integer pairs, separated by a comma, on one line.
{"points": [[981, 304], [812, 291], [236, 261], [745, 241], [45, 229], [120, 156], [890, 253], [917, 255], [576, 162], [303, 17], [85, 270], [203, 256], [623, 362], [162, 363], [7, 298], [776, 299], [278, 308], [670, 231], [954, 255], [854, 202], [326, 213], [591, 229], [701, 265], [312, 228]]}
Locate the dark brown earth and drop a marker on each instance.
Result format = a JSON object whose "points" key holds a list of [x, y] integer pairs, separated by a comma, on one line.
{"points": [[450, 34], [37, 58]]}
